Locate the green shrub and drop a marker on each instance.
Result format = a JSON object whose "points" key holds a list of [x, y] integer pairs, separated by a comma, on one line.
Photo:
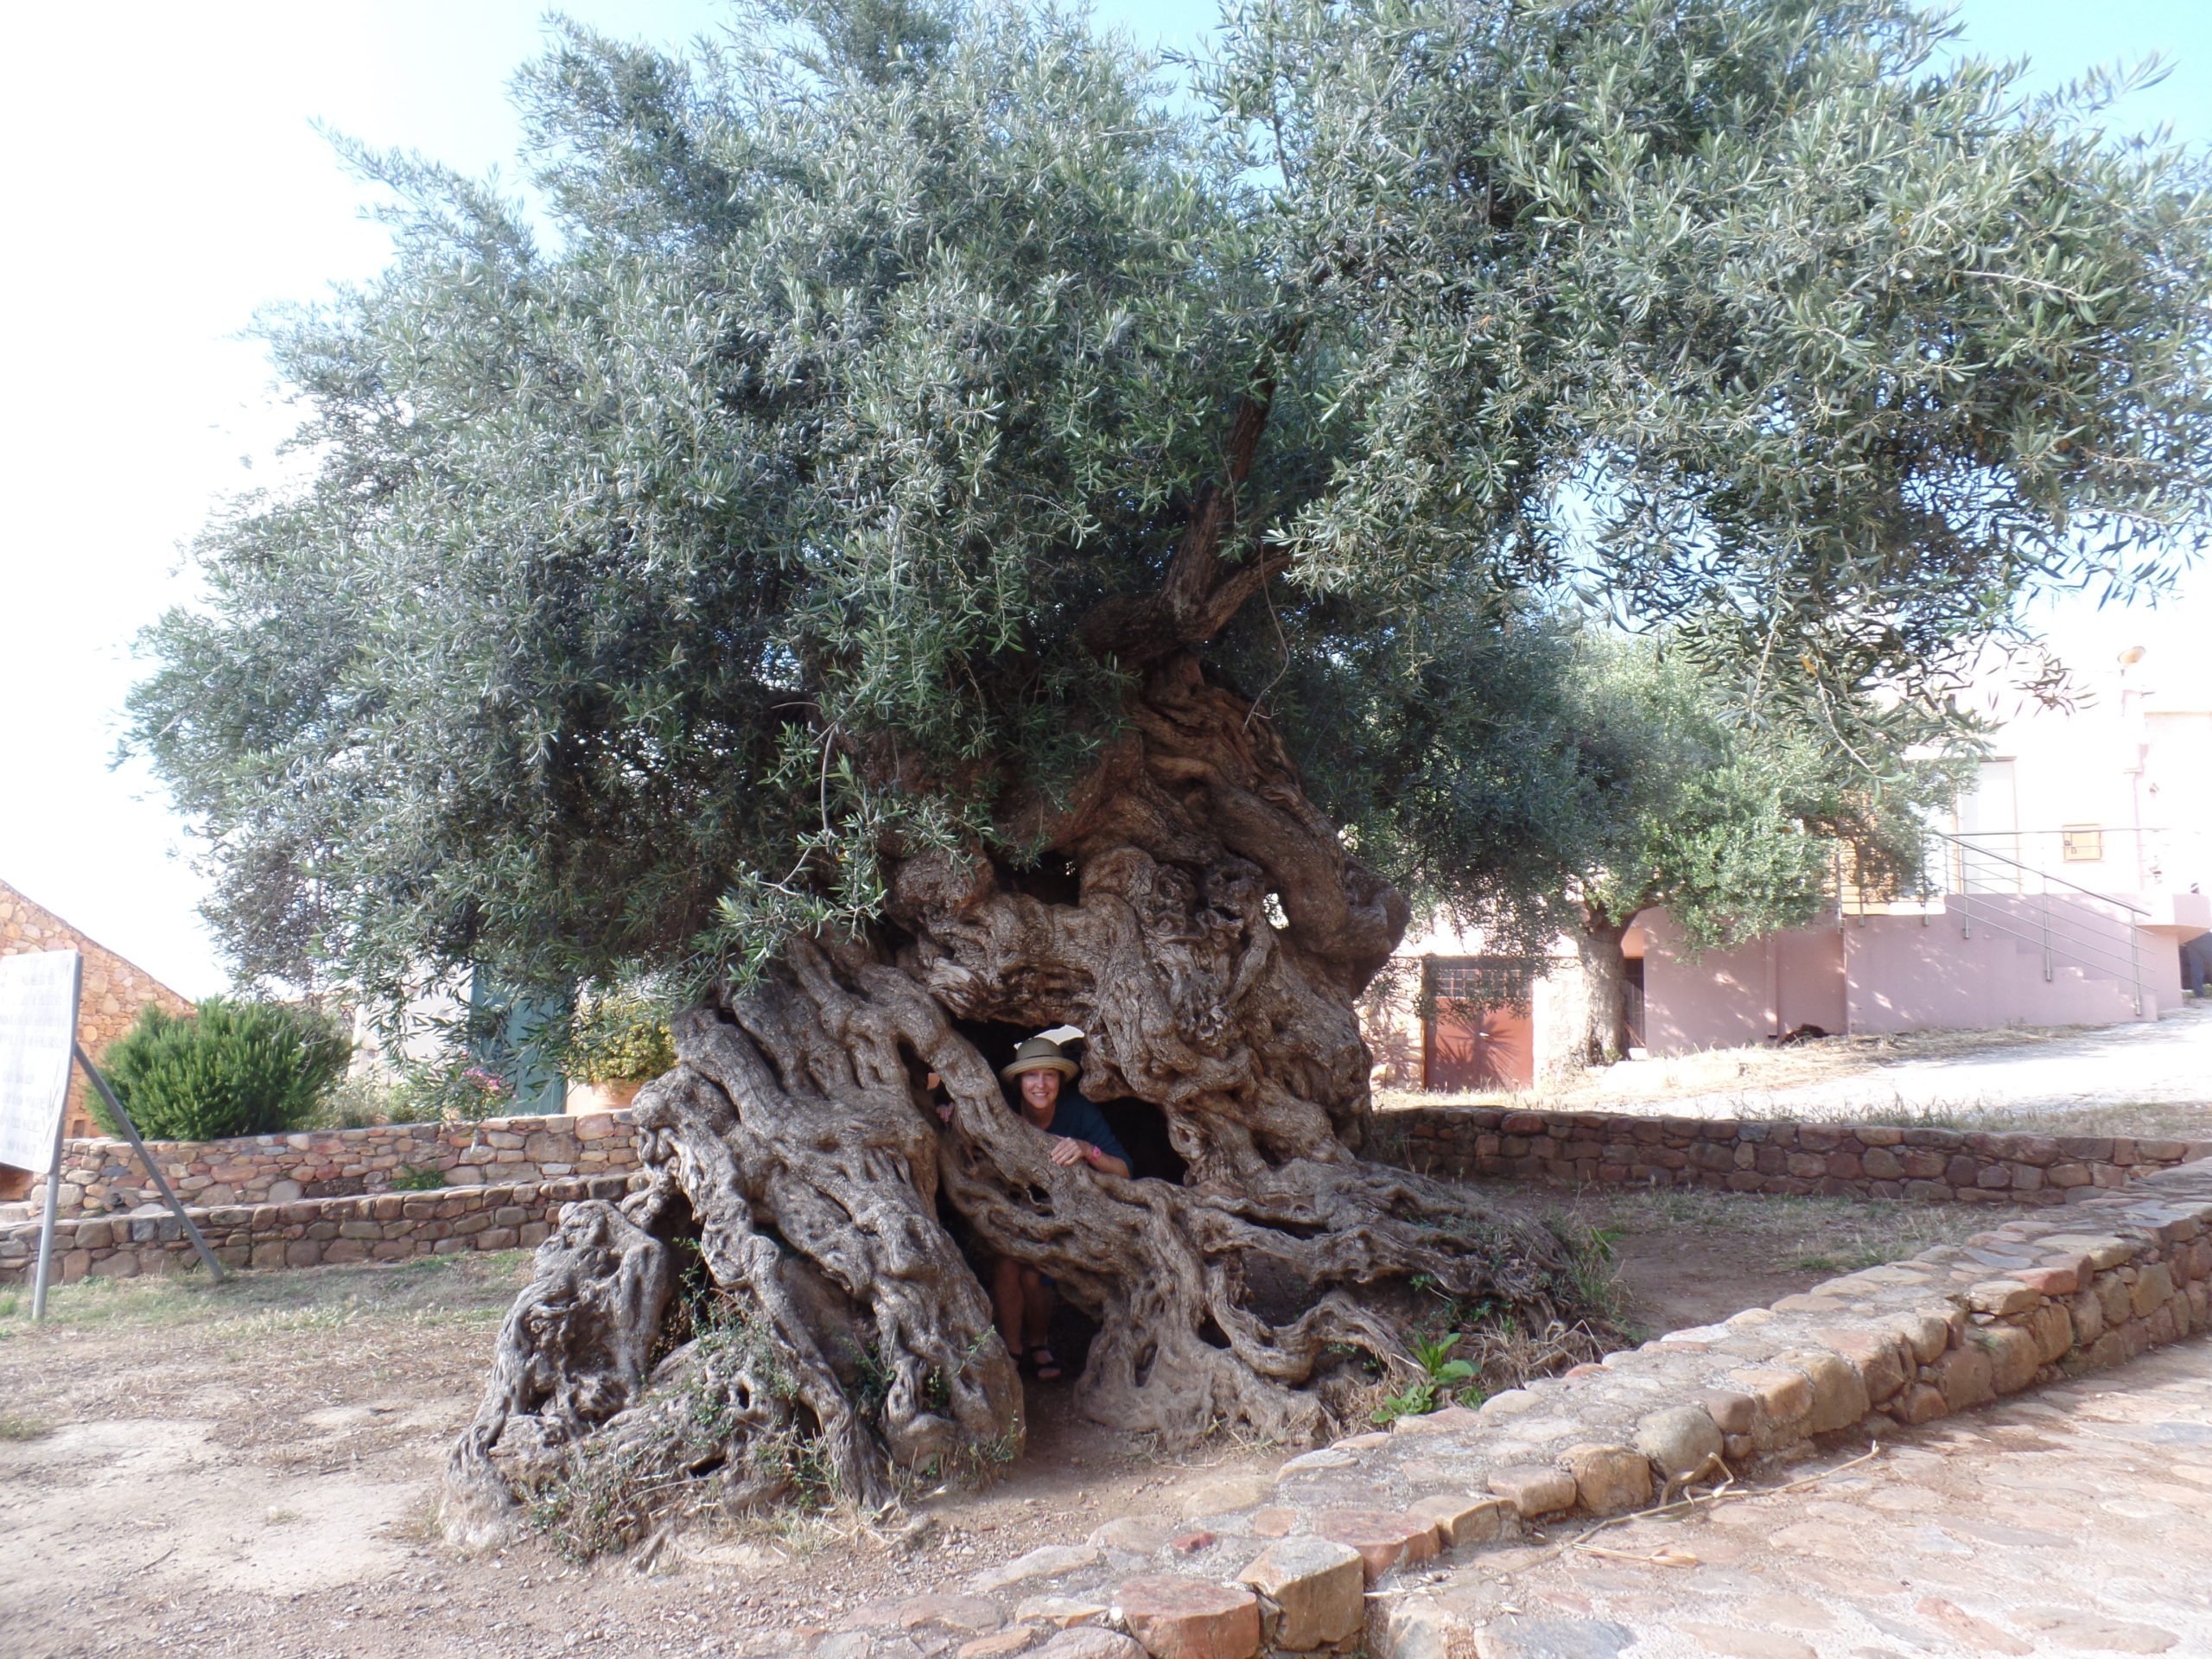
{"points": [[408, 1178], [356, 1103], [450, 1091], [228, 1068], [620, 1037]]}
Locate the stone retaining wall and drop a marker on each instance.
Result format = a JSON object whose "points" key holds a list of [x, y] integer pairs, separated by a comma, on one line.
{"points": [[101, 1176], [388, 1227], [1867, 1161]]}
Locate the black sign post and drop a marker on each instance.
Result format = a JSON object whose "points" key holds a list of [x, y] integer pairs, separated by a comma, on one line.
{"points": [[130, 1133]]}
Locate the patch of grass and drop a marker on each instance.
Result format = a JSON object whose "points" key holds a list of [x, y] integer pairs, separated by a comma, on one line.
{"points": [[408, 1178], [276, 1321], [432, 1290], [1810, 1235], [20, 1428], [1594, 1283], [2144, 1120]]}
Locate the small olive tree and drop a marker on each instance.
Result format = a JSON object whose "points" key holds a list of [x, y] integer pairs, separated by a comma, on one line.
{"points": [[1740, 815]]}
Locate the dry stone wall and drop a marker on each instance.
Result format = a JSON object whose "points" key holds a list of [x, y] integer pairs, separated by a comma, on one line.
{"points": [[102, 1176], [1867, 1161], [390, 1226]]}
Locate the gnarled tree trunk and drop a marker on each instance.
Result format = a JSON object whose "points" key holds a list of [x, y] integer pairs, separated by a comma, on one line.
{"points": [[848, 1344], [794, 1143]]}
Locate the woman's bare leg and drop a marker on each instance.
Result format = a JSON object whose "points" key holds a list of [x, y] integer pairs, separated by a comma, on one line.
{"points": [[1036, 1308], [1009, 1299]]}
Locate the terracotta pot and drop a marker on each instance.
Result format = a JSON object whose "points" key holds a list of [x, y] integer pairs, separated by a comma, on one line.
{"points": [[585, 1098]]}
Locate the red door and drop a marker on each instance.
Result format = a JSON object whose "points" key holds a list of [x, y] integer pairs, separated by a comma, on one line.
{"points": [[1472, 1047], [1477, 1033]]}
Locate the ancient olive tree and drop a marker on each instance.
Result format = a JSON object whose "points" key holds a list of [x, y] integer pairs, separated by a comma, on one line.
{"points": [[926, 532]]}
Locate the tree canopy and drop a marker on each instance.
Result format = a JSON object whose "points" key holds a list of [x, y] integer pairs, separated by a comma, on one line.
{"points": [[929, 528], [1739, 815], [799, 475], [1738, 821]]}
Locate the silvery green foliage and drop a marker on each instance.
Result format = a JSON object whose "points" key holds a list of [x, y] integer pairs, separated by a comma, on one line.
{"points": [[1740, 816], [1828, 347], [670, 559]]}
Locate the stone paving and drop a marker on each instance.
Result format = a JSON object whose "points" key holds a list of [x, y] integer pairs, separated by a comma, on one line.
{"points": [[2076, 1520]]}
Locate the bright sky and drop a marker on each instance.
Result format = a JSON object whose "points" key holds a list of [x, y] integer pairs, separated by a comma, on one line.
{"points": [[160, 201]]}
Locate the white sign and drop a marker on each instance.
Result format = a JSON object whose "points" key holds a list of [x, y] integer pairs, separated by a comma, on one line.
{"points": [[38, 1025]]}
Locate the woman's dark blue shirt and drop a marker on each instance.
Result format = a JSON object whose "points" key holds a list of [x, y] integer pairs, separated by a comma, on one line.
{"points": [[1077, 1118]]}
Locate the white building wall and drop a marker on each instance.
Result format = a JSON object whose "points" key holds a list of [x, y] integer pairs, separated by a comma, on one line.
{"points": [[2131, 760]]}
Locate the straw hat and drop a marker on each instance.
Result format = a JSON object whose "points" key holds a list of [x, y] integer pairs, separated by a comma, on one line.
{"points": [[1038, 1054]]}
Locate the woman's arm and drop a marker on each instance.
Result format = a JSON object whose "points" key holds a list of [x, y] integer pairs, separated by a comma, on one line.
{"points": [[1099, 1158], [1068, 1150]]}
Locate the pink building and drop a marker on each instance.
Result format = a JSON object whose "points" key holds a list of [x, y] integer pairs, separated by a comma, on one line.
{"points": [[2060, 895]]}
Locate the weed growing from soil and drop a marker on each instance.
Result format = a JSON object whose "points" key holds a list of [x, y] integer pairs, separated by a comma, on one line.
{"points": [[1593, 1282], [20, 1428], [1445, 1381], [1469, 1348]]}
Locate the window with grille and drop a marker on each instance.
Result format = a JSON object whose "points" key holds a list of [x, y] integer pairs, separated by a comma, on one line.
{"points": [[1483, 981]]}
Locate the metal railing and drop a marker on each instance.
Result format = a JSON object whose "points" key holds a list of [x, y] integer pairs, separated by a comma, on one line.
{"points": [[2131, 859], [2005, 895]]}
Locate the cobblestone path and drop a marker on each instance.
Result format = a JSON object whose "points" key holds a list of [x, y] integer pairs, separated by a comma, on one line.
{"points": [[2075, 1519]]}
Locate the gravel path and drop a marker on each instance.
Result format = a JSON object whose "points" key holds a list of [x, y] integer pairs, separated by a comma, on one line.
{"points": [[2075, 1519]]}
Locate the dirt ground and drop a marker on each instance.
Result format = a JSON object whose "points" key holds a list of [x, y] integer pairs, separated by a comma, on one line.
{"points": [[2147, 1079], [1757, 1065], [1686, 1256], [249, 1469]]}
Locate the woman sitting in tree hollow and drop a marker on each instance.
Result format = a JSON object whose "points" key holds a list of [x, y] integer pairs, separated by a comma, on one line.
{"points": [[1022, 1295]]}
